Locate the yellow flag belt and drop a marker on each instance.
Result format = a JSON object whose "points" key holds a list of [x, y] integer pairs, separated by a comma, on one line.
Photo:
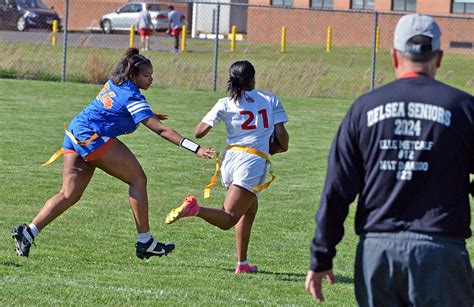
{"points": [[207, 189]]}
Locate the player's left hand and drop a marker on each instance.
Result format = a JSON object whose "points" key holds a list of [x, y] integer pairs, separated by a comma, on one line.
{"points": [[161, 116], [313, 283], [206, 153]]}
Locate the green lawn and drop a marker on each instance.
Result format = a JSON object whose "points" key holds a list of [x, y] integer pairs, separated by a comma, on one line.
{"points": [[87, 256]]}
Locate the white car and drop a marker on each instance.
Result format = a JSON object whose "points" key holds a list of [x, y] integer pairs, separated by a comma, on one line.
{"points": [[126, 15]]}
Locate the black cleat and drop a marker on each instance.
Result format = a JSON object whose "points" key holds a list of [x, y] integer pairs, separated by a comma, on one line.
{"points": [[153, 248], [23, 239]]}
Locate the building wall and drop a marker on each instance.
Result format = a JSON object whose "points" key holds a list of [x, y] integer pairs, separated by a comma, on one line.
{"points": [[350, 27]]}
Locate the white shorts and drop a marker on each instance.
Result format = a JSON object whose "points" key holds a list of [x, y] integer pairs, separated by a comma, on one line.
{"points": [[243, 169]]}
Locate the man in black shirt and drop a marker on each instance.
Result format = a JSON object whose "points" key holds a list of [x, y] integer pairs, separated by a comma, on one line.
{"points": [[406, 149]]}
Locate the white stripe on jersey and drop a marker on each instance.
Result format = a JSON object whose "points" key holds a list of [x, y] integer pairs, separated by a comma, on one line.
{"points": [[134, 103], [138, 107]]}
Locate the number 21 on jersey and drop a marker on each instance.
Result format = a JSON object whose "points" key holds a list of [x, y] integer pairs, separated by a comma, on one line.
{"points": [[249, 122], [106, 98]]}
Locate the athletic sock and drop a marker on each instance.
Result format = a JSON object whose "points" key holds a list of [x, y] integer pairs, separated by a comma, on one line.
{"points": [[34, 230], [242, 262], [144, 237]]}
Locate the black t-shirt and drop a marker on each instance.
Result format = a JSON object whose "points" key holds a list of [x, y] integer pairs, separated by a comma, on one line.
{"points": [[406, 149]]}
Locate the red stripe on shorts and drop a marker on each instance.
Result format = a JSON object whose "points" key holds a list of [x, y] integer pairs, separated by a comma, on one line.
{"points": [[96, 154]]}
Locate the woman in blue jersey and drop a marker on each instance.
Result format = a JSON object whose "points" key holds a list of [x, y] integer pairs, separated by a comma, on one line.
{"points": [[91, 142], [251, 117]]}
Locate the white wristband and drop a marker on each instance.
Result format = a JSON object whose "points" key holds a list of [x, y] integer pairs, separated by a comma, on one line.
{"points": [[189, 145]]}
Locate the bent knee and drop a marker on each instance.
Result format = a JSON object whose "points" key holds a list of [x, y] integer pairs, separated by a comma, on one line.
{"points": [[227, 227], [139, 180], [231, 222]]}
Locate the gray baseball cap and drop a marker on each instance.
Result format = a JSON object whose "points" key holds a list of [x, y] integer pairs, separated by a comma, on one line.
{"points": [[413, 25]]}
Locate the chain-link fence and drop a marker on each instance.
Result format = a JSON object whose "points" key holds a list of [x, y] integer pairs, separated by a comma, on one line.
{"points": [[296, 52]]}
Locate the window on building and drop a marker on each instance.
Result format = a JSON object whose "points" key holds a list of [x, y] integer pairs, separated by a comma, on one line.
{"points": [[321, 4], [463, 6], [404, 5], [363, 4], [282, 2]]}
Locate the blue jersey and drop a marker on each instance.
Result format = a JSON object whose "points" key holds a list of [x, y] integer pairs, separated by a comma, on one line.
{"points": [[116, 110]]}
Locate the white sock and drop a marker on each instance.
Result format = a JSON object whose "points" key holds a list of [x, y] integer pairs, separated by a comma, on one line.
{"points": [[144, 237], [34, 230], [242, 262]]}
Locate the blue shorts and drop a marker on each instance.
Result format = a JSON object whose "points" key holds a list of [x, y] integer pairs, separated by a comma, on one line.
{"points": [[89, 152]]}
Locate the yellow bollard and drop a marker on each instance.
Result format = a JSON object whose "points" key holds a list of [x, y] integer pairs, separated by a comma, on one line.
{"points": [[183, 39], [377, 39], [283, 39], [54, 32], [132, 35], [232, 38], [329, 40]]}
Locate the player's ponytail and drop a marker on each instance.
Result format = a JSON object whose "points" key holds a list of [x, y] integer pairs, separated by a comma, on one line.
{"points": [[241, 79], [129, 66]]}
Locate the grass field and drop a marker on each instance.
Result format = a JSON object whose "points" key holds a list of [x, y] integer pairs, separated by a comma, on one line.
{"points": [[86, 257], [304, 70]]}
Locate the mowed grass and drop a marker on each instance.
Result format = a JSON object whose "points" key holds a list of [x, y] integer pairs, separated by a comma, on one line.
{"points": [[87, 256]]}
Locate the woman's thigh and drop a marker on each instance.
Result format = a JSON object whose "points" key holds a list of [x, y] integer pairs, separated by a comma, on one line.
{"points": [[76, 175], [238, 200], [120, 162]]}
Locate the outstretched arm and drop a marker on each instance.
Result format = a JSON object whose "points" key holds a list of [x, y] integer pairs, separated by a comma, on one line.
{"points": [[169, 134]]}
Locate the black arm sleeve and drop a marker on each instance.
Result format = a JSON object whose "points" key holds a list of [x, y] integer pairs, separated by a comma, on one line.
{"points": [[343, 181]]}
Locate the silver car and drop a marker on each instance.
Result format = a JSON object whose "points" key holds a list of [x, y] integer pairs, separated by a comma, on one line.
{"points": [[126, 15]]}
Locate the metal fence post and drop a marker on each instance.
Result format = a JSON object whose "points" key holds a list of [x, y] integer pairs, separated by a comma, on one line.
{"points": [[216, 48], [66, 17], [374, 52], [213, 21]]}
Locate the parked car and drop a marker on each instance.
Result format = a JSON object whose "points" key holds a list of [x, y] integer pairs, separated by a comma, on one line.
{"points": [[126, 15], [27, 14]]}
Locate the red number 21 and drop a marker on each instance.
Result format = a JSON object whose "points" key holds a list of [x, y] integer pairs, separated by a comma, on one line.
{"points": [[248, 124]]}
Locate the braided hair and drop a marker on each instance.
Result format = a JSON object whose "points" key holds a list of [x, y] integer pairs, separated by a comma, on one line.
{"points": [[241, 79], [129, 66]]}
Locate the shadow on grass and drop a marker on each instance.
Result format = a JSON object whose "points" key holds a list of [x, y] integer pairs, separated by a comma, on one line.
{"points": [[12, 264], [291, 277]]}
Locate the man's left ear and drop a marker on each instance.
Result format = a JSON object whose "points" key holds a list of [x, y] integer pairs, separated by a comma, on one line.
{"points": [[394, 57]]}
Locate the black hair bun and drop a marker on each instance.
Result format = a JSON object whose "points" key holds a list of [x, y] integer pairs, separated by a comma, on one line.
{"points": [[130, 52]]}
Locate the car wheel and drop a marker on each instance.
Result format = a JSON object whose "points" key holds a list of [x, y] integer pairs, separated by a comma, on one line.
{"points": [[107, 26], [21, 24]]}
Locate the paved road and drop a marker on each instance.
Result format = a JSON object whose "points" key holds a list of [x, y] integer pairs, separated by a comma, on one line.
{"points": [[159, 41]]}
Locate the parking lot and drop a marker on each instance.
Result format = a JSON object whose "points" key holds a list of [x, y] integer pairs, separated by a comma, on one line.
{"points": [[159, 40]]}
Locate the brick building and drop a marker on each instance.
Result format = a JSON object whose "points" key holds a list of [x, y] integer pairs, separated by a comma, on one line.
{"points": [[434, 7], [352, 21]]}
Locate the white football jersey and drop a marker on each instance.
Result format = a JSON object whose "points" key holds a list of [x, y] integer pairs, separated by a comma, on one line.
{"points": [[249, 121]]}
